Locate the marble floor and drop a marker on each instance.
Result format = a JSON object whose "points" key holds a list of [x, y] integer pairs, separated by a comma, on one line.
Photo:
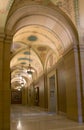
{"points": [[32, 118]]}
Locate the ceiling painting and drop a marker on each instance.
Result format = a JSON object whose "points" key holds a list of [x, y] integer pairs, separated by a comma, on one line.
{"points": [[42, 35], [21, 57]]}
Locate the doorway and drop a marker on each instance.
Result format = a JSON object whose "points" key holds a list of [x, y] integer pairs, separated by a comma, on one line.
{"points": [[52, 94]]}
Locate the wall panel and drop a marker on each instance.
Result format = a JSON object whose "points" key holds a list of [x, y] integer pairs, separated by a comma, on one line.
{"points": [[61, 87]]}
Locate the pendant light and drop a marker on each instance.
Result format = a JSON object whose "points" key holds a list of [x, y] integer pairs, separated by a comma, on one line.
{"points": [[29, 69]]}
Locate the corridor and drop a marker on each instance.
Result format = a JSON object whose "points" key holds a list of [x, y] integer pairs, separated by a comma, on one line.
{"points": [[33, 118]]}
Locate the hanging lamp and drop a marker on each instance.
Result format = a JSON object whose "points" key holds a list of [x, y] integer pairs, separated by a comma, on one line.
{"points": [[29, 69]]}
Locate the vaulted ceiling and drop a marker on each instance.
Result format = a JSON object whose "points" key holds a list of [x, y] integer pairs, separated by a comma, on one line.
{"points": [[39, 37]]}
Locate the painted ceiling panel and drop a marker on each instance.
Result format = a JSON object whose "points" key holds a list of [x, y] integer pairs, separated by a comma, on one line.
{"points": [[21, 57], [45, 30], [44, 36], [17, 46]]}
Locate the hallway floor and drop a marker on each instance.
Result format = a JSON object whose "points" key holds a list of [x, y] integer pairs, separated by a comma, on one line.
{"points": [[26, 118]]}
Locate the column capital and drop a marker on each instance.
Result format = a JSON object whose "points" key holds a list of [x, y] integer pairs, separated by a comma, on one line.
{"points": [[74, 48], [8, 38], [5, 38], [81, 47]]}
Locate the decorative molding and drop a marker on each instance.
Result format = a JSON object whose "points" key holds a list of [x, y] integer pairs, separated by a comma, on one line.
{"points": [[2, 36], [37, 10], [81, 47], [66, 6], [5, 38], [73, 48], [76, 7], [8, 39]]}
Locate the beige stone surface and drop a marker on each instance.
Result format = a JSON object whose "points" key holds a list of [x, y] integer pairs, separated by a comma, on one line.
{"points": [[34, 118], [55, 31], [71, 88]]}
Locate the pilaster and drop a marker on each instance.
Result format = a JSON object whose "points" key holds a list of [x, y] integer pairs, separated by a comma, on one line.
{"points": [[1, 80], [73, 84], [45, 91], [5, 43], [81, 54]]}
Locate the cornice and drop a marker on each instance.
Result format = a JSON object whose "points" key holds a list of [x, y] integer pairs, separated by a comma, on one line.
{"points": [[8, 37], [2, 36], [76, 6], [74, 48], [81, 47], [5, 38]]}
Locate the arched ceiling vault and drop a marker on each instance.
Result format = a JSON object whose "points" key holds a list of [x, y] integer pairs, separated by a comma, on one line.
{"points": [[40, 15], [47, 30]]}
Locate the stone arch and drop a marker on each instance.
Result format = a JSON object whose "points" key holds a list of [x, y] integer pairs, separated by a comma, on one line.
{"points": [[45, 12], [52, 20], [61, 25]]}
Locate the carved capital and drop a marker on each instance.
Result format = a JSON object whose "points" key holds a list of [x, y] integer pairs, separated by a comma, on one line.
{"points": [[8, 39]]}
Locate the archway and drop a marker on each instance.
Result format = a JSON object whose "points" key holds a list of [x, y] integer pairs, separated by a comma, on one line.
{"points": [[50, 31]]}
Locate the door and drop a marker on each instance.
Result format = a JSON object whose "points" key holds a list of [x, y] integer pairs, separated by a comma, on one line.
{"points": [[16, 97], [52, 94]]}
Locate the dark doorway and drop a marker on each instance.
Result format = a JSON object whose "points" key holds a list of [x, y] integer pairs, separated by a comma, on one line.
{"points": [[16, 97]]}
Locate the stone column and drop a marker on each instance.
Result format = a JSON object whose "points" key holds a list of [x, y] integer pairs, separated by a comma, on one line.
{"points": [[5, 83], [79, 8], [1, 81]]}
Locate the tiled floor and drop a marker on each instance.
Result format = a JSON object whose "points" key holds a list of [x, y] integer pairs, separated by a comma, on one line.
{"points": [[25, 118]]}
